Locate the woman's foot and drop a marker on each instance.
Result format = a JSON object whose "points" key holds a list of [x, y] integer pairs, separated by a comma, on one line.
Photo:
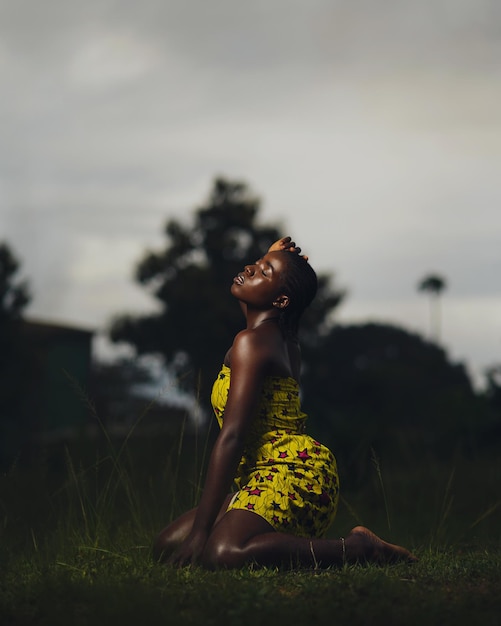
{"points": [[362, 545]]}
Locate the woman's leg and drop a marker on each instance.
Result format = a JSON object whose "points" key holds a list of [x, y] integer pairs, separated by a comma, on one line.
{"points": [[242, 537], [176, 532]]}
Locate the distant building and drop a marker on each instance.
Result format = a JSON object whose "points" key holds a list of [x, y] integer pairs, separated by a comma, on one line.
{"points": [[59, 378], [65, 391]]}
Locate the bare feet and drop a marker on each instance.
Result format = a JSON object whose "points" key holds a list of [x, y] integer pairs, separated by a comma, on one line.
{"points": [[362, 545]]}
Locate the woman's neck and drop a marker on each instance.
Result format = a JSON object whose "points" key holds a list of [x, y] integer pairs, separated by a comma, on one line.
{"points": [[253, 321]]}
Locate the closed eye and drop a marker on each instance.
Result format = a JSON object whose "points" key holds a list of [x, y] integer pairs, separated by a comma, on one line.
{"points": [[267, 266]]}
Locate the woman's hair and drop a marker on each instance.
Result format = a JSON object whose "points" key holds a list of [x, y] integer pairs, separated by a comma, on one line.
{"points": [[299, 282]]}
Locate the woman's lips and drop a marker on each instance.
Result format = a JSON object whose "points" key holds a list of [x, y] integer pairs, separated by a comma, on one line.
{"points": [[239, 279]]}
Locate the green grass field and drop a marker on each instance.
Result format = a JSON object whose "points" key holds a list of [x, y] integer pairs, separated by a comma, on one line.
{"points": [[76, 532]]}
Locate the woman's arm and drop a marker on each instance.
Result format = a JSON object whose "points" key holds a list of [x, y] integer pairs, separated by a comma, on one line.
{"points": [[248, 368]]}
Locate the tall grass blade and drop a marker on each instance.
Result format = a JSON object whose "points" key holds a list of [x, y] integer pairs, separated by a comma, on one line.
{"points": [[76, 484], [485, 514], [377, 466], [445, 509], [177, 465], [351, 511]]}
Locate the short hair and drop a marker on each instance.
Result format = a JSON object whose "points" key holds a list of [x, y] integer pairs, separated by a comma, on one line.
{"points": [[300, 284]]}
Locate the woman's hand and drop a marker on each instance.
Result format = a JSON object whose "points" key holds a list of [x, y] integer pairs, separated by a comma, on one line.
{"points": [[286, 243], [190, 551]]}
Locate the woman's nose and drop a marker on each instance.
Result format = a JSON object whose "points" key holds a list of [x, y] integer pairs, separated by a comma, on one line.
{"points": [[249, 269]]}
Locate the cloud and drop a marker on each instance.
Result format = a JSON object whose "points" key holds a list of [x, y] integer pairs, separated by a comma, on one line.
{"points": [[370, 129], [109, 60]]}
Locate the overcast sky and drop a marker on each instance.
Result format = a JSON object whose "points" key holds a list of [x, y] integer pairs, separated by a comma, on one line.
{"points": [[370, 128]]}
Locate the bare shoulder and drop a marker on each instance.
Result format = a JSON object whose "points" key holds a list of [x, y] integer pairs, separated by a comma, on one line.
{"points": [[252, 347], [250, 340]]}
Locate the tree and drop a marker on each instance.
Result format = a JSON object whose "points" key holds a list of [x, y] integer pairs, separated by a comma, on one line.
{"points": [[434, 285], [191, 281], [14, 296], [380, 386], [492, 395]]}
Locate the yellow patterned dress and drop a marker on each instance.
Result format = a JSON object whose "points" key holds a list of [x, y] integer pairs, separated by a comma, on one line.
{"points": [[284, 475]]}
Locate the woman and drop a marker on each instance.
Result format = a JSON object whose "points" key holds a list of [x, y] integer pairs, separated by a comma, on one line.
{"points": [[287, 482]]}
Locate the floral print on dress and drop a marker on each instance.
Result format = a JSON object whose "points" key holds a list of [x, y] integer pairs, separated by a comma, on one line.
{"points": [[285, 476]]}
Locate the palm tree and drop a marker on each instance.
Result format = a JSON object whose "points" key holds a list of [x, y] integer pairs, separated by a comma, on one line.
{"points": [[434, 284]]}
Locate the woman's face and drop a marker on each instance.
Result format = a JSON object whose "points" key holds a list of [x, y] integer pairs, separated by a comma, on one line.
{"points": [[260, 284]]}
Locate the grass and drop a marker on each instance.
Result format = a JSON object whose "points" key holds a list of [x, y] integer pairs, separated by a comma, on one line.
{"points": [[105, 587], [76, 532]]}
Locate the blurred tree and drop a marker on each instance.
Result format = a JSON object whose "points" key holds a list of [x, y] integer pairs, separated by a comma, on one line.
{"points": [[434, 285], [493, 391], [493, 396], [380, 386], [14, 296], [191, 280]]}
